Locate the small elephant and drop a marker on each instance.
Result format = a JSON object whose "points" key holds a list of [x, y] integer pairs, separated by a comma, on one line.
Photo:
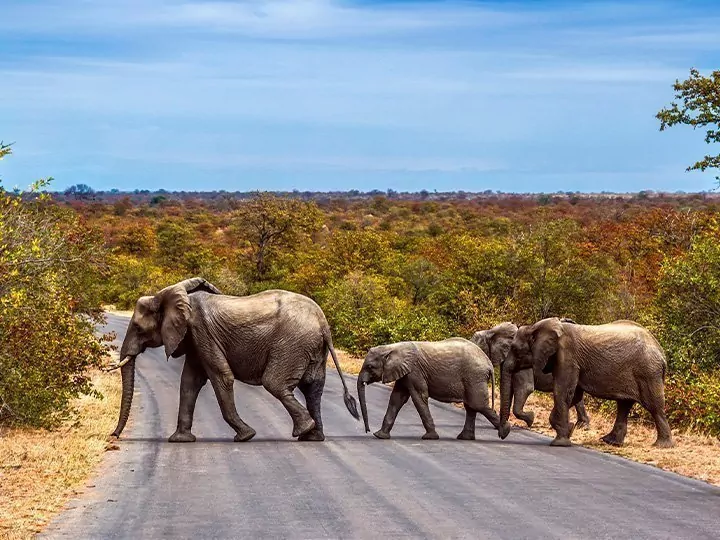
{"points": [[454, 370], [495, 343], [277, 339], [621, 361]]}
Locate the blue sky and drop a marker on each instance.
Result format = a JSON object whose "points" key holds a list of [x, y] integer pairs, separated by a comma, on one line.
{"points": [[324, 95]]}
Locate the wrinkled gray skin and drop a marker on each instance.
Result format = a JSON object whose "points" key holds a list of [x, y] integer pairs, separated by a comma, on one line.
{"points": [[621, 361], [276, 339], [495, 343], [454, 370]]}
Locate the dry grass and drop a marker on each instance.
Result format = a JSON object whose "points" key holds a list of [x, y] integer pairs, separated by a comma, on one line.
{"points": [[694, 455], [348, 363], [40, 469]]}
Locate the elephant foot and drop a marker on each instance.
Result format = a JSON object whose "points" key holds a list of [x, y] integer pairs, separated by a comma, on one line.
{"points": [[612, 440], [431, 436], [561, 441], [245, 436], [312, 435], [303, 428], [664, 443], [504, 430], [380, 434], [582, 424], [466, 436], [528, 418], [182, 436]]}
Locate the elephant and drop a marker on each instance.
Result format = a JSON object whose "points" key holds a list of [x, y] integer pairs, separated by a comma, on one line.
{"points": [[620, 360], [277, 339], [495, 343], [454, 370]]}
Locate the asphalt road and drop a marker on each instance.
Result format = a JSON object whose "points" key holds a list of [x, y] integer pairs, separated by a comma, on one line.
{"points": [[355, 486]]}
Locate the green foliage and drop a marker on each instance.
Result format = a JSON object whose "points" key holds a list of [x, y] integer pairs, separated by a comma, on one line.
{"points": [[692, 400], [699, 107], [49, 271], [687, 306], [362, 313]]}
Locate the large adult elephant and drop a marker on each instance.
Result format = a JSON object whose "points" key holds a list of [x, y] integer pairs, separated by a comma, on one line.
{"points": [[453, 370], [495, 343], [277, 339], [621, 361]]}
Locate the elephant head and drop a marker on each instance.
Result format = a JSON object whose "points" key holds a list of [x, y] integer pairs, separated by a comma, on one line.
{"points": [[496, 341], [386, 363], [533, 345], [157, 320]]}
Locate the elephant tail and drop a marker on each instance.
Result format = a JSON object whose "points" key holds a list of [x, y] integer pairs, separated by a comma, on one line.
{"points": [[492, 386], [350, 402]]}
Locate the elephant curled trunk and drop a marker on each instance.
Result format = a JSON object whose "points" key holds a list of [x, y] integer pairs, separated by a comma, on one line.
{"points": [[505, 398], [128, 387], [361, 382]]}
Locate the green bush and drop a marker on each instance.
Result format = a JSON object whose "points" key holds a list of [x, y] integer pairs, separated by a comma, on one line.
{"points": [[49, 265], [692, 400]]}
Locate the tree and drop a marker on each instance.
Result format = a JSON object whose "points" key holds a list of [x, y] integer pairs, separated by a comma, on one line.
{"points": [[699, 107], [268, 222], [80, 191]]}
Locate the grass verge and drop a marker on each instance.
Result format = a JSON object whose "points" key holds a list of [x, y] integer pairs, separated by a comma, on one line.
{"points": [[695, 455], [40, 469]]}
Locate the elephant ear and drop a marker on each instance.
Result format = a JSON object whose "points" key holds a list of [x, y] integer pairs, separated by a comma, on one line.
{"points": [[502, 337], [397, 364], [198, 284], [175, 311], [480, 339], [546, 342]]}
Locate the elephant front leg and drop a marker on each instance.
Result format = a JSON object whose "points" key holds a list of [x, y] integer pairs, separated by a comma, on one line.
{"points": [[223, 386], [616, 437], [191, 382], [523, 386], [583, 420], [564, 391], [398, 398], [420, 400]]}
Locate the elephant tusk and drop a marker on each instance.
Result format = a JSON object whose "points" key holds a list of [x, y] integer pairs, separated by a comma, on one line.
{"points": [[118, 365]]}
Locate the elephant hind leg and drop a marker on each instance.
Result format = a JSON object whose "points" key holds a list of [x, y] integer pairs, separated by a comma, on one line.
{"points": [[281, 383], [652, 397], [312, 390]]}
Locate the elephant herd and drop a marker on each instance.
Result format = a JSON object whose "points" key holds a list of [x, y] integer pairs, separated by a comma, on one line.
{"points": [[280, 340]]}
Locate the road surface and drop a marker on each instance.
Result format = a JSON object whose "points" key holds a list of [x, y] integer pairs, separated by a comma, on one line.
{"points": [[355, 486]]}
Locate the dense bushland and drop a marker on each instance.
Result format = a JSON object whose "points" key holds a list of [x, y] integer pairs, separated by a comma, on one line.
{"points": [[385, 269], [49, 283]]}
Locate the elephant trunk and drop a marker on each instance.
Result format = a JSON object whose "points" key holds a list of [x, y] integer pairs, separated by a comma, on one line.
{"points": [[505, 397], [361, 382], [128, 387]]}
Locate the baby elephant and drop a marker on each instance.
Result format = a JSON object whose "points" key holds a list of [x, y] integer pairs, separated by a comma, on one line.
{"points": [[454, 370]]}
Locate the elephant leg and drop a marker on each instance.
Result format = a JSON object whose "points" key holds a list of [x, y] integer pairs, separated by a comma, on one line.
{"points": [[222, 383], [468, 432], [191, 382], [477, 400], [652, 396], [616, 437], [522, 388], [281, 386], [398, 398], [577, 398], [312, 391], [420, 400], [564, 390], [583, 420]]}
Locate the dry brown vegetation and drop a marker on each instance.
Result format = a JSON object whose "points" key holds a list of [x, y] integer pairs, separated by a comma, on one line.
{"points": [[40, 469], [695, 455]]}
